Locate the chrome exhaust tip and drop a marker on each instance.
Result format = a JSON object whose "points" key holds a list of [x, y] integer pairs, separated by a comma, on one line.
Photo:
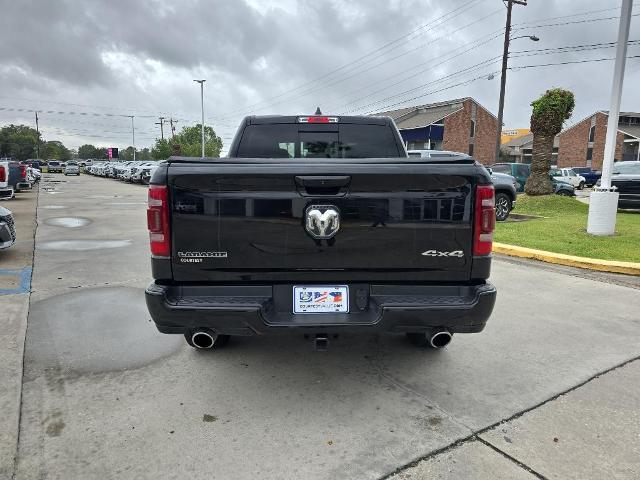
{"points": [[201, 339], [440, 339]]}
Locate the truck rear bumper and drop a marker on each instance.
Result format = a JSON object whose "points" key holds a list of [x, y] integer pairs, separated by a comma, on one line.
{"points": [[264, 310]]}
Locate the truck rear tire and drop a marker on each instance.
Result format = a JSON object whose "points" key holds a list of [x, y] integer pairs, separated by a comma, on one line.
{"points": [[503, 206]]}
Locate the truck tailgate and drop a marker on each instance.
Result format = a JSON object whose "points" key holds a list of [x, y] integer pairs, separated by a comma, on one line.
{"points": [[246, 221]]}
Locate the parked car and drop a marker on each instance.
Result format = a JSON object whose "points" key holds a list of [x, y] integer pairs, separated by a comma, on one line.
{"points": [[520, 171], [138, 171], [6, 189], [72, 168], [221, 249], [568, 175], [33, 174], [18, 177], [591, 177], [7, 228], [54, 166], [506, 188], [625, 176], [562, 188]]}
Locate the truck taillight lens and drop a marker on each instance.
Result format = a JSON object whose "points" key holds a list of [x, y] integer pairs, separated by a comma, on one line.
{"points": [[158, 221], [485, 220], [23, 171], [3, 174]]}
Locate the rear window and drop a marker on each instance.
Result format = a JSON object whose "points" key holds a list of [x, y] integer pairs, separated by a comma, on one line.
{"points": [[72, 163], [54, 164], [301, 141]]}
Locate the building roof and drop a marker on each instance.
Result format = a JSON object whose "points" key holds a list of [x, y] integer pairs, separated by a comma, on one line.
{"points": [[524, 141], [632, 130], [424, 115]]}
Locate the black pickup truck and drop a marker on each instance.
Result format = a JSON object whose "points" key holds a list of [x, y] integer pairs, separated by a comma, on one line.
{"points": [[320, 225]]}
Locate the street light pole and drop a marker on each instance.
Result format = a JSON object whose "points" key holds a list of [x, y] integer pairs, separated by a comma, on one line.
{"points": [[133, 137], [503, 76], [603, 203], [201, 82]]}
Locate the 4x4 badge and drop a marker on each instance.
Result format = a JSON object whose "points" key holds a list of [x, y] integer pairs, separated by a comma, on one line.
{"points": [[437, 253]]}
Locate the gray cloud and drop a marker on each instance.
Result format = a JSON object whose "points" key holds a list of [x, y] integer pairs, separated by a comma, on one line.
{"points": [[124, 57]]}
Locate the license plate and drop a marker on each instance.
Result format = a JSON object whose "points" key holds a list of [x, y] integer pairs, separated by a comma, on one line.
{"points": [[321, 299]]}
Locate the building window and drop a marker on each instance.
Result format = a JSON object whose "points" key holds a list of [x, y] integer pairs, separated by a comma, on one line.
{"points": [[592, 133], [472, 132], [471, 149], [589, 154]]}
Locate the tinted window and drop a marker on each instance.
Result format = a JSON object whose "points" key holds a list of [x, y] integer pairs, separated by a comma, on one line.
{"points": [[301, 141], [414, 154], [502, 169], [54, 163], [554, 172], [521, 170], [627, 168]]}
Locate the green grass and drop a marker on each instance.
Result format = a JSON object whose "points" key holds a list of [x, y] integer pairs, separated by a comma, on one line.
{"points": [[563, 230]]}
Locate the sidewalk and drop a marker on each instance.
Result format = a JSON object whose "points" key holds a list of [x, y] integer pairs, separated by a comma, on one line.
{"points": [[15, 277], [589, 432]]}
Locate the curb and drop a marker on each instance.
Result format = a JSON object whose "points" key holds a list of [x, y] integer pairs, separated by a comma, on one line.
{"points": [[629, 268]]}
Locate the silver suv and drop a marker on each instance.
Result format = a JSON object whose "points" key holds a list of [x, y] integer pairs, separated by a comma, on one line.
{"points": [[72, 168]]}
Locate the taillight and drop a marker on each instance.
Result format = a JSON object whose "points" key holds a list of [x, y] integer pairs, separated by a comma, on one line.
{"points": [[158, 221], [3, 174], [485, 220], [23, 171]]}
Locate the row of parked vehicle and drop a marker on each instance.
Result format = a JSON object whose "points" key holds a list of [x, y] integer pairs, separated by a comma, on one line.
{"points": [[131, 171], [15, 177]]}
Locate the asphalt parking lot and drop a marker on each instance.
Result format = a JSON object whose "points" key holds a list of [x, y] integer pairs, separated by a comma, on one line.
{"points": [[550, 389]]}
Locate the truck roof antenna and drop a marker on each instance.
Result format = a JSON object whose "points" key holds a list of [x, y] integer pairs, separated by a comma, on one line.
{"points": [[318, 112]]}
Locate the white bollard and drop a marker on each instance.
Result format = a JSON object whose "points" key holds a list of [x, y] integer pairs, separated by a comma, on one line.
{"points": [[603, 206]]}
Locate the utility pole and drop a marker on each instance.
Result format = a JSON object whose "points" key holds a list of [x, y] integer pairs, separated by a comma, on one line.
{"points": [[173, 128], [503, 77], [201, 82], [603, 203], [38, 139], [161, 123], [133, 136]]}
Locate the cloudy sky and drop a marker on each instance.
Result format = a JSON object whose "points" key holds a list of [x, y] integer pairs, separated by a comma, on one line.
{"points": [[87, 65]]}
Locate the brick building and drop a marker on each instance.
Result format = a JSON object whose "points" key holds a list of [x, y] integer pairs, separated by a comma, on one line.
{"points": [[520, 150], [460, 125], [583, 143]]}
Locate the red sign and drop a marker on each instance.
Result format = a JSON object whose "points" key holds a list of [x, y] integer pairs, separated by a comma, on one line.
{"points": [[109, 153]]}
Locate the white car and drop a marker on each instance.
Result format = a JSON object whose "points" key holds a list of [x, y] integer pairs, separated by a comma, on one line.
{"points": [[33, 174], [6, 190], [567, 175]]}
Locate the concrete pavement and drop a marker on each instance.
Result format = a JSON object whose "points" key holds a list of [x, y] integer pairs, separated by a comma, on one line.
{"points": [[15, 276], [106, 396]]}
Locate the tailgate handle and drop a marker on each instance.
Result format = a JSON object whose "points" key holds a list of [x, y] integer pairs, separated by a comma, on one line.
{"points": [[323, 185]]}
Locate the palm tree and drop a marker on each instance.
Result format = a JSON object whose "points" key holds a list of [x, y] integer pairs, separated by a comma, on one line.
{"points": [[549, 113]]}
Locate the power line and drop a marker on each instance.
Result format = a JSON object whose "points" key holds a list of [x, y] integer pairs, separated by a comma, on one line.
{"points": [[475, 44], [588, 20], [354, 63], [521, 67]]}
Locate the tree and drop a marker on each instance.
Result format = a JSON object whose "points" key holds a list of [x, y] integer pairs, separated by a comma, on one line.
{"points": [[87, 151], [189, 141], [162, 149], [54, 150], [549, 114], [19, 142]]}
